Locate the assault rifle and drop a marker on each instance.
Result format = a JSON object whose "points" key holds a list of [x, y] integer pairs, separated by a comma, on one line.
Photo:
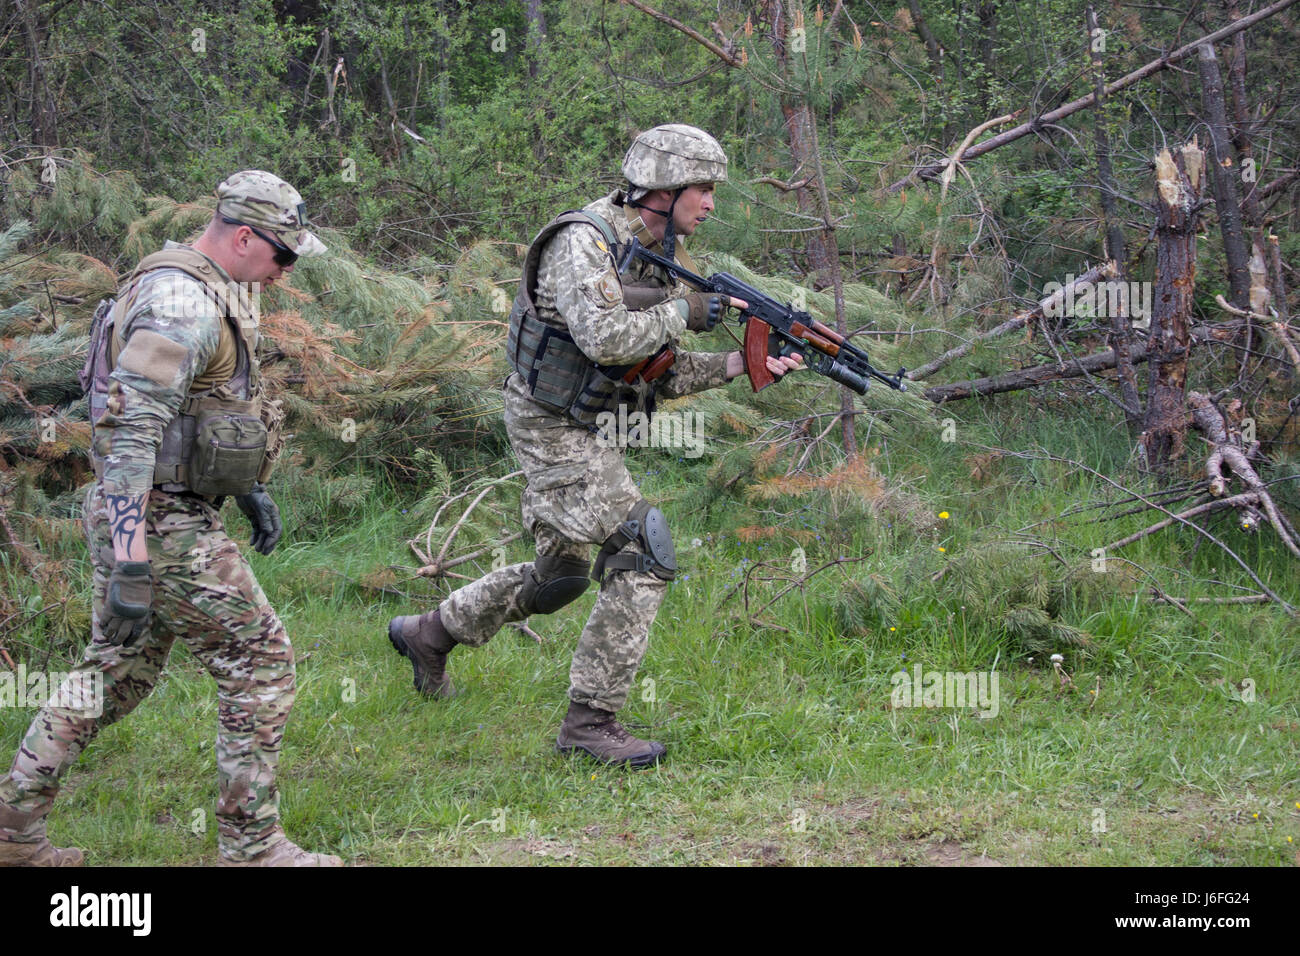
{"points": [[775, 329]]}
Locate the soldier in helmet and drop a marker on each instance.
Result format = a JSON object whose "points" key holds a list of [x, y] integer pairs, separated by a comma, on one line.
{"points": [[180, 422], [585, 340]]}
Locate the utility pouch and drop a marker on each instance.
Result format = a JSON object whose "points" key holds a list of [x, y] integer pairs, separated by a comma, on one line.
{"points": [[229, 447]]}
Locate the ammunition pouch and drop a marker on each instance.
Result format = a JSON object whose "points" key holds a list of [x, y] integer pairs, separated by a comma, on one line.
{"points": [[229, 448]]}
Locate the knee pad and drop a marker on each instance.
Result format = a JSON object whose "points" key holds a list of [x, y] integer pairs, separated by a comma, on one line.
{"points": [[553, 582], [647, 526]]}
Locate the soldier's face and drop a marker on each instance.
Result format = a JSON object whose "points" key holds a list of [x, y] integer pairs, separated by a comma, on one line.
{"points": [[693, 207], [257, 259]]}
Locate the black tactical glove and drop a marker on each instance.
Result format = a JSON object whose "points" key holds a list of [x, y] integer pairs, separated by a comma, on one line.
{"points": [[264, 516], [705, 310], [130, 595]]}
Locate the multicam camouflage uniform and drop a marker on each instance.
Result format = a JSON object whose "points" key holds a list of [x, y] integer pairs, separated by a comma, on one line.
{"points": [[578, 491], [204, 591]]}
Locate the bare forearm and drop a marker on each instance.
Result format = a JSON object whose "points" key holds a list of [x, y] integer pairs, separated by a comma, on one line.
{"points": [[126, 523]]}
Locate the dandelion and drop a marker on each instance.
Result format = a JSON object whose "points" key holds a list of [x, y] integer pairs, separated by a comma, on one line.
{"points": [[894, 629], [1255, 815], [943, 515], [943, 550], [1058, 658]]}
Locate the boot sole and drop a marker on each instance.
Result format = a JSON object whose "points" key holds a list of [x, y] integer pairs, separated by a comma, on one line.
{"points": [[642, 760]]}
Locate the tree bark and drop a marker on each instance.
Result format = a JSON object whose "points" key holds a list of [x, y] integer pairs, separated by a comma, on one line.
{"points": [[1179, 182], [536, 33], [799, 135], [1120, 324], [1223, 177], [988, 42], [44, 115]]}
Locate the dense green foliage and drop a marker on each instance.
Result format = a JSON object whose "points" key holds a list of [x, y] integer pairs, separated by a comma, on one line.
{"points": [[431, 138]]}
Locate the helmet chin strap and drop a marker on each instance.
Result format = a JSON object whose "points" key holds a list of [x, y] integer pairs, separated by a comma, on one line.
{"points": [[669, 240]]}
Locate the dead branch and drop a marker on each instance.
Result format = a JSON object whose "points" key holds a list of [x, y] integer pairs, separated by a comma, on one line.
{"points": [[783, 186], [1279, 328], [439, 566], [1276, 598], [1049, 304], [1205, 508], [1030, 377], [1227, 449], [1024, 129], [695, 35]]}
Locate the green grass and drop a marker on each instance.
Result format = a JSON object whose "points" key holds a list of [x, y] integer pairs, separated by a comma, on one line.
{"points": [[783, 747]]}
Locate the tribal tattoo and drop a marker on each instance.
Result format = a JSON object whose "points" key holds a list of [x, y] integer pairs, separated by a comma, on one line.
{"points": [[125, 517]]}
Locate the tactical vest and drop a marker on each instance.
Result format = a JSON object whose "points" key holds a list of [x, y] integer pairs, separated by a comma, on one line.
{"points": [[559, 376], [218, 442]]}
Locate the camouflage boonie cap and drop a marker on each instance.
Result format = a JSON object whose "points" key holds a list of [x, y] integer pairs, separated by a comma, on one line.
{"points": [[264, 201], [675, 155]]}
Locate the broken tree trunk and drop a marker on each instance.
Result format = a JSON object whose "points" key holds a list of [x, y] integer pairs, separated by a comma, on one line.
{"points": [[1179, 181]]}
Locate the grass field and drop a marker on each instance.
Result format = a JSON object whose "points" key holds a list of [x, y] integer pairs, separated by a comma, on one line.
{"points": [[1174, 742]]}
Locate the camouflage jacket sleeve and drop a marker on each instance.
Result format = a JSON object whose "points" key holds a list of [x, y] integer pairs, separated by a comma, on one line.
{"points": [[168, 337], [577, 273], [694, 372]]}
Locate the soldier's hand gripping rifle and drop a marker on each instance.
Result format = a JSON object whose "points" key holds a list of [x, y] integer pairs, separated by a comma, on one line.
{"points": [[772, 328]]}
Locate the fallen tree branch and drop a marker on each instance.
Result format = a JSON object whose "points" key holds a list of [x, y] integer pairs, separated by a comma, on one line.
{"points": [[695, 35], [1279, 328], [1030, 377], [1227, 449], [1024, 129], [1049, 304]]}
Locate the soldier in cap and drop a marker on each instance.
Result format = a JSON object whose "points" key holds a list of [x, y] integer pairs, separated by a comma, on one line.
{"points": [[583, 341], [180, 422]]}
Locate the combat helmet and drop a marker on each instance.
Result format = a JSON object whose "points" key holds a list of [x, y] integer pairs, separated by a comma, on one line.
{"points": [[672, 157]]}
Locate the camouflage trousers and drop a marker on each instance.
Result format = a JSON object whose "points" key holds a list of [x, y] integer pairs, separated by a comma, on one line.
{"points": [[577, 494], [205, 594]]}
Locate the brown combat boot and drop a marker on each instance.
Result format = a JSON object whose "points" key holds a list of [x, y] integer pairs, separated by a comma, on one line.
{"points": [[283, 852], [422, 640], [598, 734], [43, 853]]}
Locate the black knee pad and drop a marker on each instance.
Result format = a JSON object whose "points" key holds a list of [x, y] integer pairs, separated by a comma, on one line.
{"points": [[647, 526], [553, 582]]}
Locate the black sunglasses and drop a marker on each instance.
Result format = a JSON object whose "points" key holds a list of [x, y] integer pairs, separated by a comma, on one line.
{"points": [[284, 256]]}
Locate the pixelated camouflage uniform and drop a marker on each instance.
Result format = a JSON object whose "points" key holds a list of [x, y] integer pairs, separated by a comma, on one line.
{"points": [[577, 490], [204, 591]]}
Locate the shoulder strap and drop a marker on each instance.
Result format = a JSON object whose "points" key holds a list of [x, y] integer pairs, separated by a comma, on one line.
{"points": [[534, 257], [231, 298]]}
